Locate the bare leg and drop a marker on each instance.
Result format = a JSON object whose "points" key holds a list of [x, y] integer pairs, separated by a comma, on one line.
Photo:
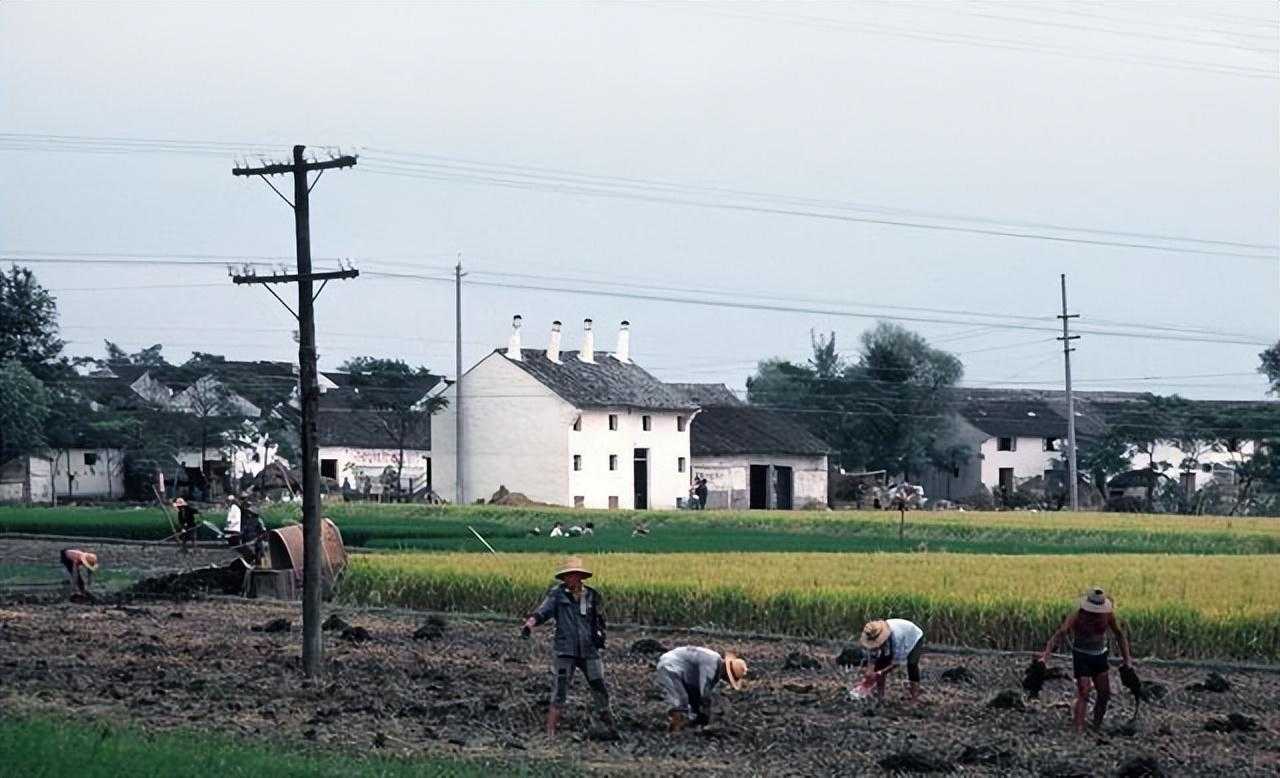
{"points": [[1083, 687], [1102, 682]]}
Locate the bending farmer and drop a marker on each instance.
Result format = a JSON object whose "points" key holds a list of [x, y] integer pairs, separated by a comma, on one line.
{"points": [[891, 643], [1088, 627], [688, 677], [580, 634], [80, 567]]}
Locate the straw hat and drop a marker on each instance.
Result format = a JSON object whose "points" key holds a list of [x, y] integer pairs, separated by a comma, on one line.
{"points": [[90, 560], [874, 634], [1096, 601], [573, 564], [735, 669], [179, 503]]}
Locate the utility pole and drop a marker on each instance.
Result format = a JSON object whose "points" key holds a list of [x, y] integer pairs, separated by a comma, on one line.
{"points": [[457, 372], [1066, 339], [312, 648]]}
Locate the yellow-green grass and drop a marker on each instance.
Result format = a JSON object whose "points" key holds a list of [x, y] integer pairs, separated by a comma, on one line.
{"points": [[1175, 606]]}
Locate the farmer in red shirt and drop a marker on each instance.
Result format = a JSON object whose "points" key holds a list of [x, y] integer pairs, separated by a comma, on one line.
{"points": [[80, 567], [1088, 627]]}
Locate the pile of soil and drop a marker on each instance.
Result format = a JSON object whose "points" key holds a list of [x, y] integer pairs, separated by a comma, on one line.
{"points": [[505, 496], [1212, 683], [228, 579]]}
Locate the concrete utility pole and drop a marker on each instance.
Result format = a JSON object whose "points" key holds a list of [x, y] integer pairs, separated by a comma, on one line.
{"points": [[1066, 339], [312, 549], [457, 389]]}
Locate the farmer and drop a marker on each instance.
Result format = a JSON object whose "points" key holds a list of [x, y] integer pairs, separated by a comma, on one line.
{"points": [[186, 521], [580, 634], [1088, 627], [891, 643], [700, 491], [687, 677], [232, 528], [80, 567]]}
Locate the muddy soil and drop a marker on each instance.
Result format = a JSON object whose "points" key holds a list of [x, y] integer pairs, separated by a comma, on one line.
{"points": [[136, 561], [474, 688]]}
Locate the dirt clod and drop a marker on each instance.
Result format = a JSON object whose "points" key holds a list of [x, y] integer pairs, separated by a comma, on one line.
{"points": [[911, 760], [335, 622], [1233, 722], [356, 635], [799, 688], [1034, 677], [1212, 683], [228, 579], [959, 674], [275, 625], [798, 661], [432, 629], [1141, 767], [986, 755], [1007, 699], [850, 657], [648, 647]]}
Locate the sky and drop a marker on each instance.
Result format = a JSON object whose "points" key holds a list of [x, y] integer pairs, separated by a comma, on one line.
{"points": [[825, 164]]}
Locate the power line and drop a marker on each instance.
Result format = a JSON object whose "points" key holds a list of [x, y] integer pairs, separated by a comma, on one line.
{"points": [[1130, 33]]}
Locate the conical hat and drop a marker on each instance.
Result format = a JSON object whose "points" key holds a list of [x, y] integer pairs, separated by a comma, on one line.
{"points": [[573, 564]]}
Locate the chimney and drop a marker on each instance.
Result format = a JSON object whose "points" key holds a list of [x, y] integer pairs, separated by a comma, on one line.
{"points": [[623, 354], [588, 353], [513, 345], [553, 345]]}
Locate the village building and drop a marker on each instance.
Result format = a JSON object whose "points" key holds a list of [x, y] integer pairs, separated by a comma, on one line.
{"points": [[92, 473], [574, 428], [358, 443], [753, 458]]}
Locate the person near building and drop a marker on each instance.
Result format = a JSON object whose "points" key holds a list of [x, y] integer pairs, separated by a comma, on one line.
{"points": [[688, 676], [1088, 625], [700, 491], [578, 612], [231, 530], [891, 643]]}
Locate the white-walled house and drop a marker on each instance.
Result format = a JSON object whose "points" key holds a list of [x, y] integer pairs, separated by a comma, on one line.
{"points": [[753, 457], [95, 473], [574, 428]]}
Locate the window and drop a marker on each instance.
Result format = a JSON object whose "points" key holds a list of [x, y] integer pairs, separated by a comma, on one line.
{"points": [[577, 461], [613, 461], [91, 458], [613, 502], [679, 424], [577, 424], [680, 464], [1050, 444], [646, 423], [1006, 444], [613, 422], [579, 501], [329, 468]]}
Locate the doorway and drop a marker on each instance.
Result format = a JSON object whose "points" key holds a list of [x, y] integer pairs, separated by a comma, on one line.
{"points": [[641, 479], [782, 488], [758, 488]]}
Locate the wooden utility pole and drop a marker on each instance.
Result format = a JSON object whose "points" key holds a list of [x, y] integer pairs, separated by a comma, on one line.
{"points": [[312, 648], [457, 390], [1066, 339]]}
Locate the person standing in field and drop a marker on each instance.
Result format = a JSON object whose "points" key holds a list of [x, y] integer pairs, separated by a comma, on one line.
{"points": [[687, 677], [80, 567], [891, 643], [1090, 664], [186, 522], [580, 634], [231, 530]]}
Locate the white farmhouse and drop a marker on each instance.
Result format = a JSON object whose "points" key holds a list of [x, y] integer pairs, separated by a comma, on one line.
{"points": [[570, 428], [68, 474]]}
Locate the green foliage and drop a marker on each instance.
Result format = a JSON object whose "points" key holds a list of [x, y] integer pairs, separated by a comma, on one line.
{"points": [[29, 324], [24, 407], [43, 747], [147, 357], [1270, 366]]}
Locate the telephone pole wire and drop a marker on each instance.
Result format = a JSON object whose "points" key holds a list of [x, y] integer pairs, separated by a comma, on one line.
{"points": [[312, 549], [1067, 337]]}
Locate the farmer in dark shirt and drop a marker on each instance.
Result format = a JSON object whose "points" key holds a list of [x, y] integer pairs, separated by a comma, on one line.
{"points": [[1088, 627], [580, 634], [186, 522]]}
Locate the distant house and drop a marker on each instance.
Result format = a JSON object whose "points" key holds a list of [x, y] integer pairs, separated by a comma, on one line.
{"points": [[67, 474], [357, 442], [575, 428], [753, 457]]}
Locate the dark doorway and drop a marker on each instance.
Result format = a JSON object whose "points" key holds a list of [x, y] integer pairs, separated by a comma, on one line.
{"points": [[329, 468], [642, 479], [1006, 482], [759, 487], [782, 488]]}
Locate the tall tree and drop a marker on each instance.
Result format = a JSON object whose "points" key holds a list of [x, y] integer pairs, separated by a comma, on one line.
{"points": [[147, 357], [24, 407], [29, 324], [1270, 366], [394, 395]]}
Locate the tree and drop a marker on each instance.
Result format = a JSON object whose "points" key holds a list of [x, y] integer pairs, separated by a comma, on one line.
{"points": [[147, 357], [1270, 367], [215, 413], [29, 324], [24, 407], [887, 410], [393, 394]]}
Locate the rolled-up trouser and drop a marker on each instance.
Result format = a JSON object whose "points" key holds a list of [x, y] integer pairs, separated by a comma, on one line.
{"points": [[679, 695], [562, 676]]}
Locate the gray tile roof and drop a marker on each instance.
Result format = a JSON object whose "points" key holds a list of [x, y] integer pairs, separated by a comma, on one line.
{"points": [[742, 429], [604, 383], [707, 395]]}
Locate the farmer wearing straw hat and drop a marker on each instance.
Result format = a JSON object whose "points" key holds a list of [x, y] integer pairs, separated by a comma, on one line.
{"points": [[580, 634], [890, 643], [1088, 627], [80, 567], [687, 677], [186, 521]]}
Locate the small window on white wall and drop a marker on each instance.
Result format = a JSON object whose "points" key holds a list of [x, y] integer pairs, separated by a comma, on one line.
{"points": [[1006, 444], [577, 461], [646, 423], [613, 422], [577, 424], [680, 464], [613, 461], [679, 424], [91, 458], [579, 501]]}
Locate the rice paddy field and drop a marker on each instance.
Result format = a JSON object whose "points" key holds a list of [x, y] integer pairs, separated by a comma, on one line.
{"points": [[1174, 605]]}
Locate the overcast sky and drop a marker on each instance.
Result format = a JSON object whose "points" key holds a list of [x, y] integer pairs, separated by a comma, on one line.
{"points": [[1116, 118]]}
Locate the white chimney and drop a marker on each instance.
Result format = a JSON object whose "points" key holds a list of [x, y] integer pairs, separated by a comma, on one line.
{"points": [[588, 353], [553, 345], [513, 345], [623, 354]]}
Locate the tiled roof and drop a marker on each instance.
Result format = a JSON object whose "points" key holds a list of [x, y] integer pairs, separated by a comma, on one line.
{"points": [[707, 395], [742, 429], [604, 383]]}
